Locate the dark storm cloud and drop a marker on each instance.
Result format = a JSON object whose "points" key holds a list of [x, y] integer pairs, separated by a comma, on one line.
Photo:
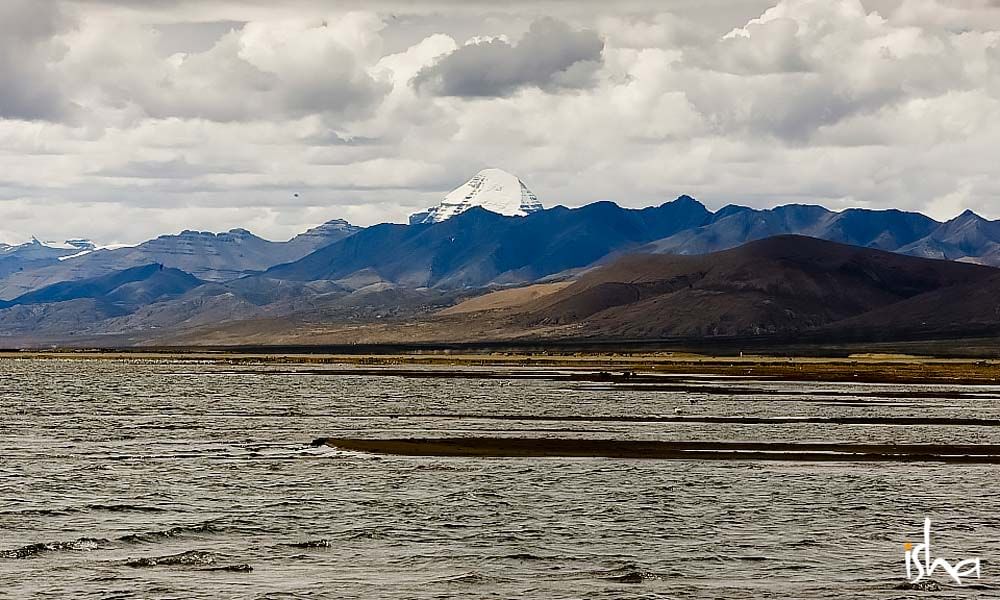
{"points": [[550, 56]]}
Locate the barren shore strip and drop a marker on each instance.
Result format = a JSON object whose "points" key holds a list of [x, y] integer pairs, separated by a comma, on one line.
{"points": [[617, 368], [664, 450], [740, 420]]}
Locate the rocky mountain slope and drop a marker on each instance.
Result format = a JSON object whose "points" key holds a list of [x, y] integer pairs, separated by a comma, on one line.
{"points": [[736, 225], [70, 307], [208, 256], [477, 247], [35, 254], [968, 237], [125, 289]]}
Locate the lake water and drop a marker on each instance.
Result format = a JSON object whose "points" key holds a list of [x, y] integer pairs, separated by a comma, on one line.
{"points": [[154, 479]]}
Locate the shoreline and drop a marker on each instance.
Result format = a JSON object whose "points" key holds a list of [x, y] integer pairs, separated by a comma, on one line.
{"points": [[617, 368], [494, 447]]}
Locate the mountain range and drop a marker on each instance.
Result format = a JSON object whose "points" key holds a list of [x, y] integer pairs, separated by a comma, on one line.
{"points": [[479, 248], [388, 276], [784, 288], [34, 254], [208, 256]]}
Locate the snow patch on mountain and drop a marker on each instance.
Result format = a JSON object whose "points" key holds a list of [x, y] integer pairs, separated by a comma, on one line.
{"points": [[38, 250], [495, 190], [95, 248], [75, 244]]}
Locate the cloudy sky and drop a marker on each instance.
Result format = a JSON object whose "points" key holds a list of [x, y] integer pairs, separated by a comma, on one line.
{"points": [[124, 119]]}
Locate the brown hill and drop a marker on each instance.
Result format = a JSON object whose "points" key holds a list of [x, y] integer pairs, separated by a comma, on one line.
{"points": [[968, 310], [505, 299], [784, 284]]}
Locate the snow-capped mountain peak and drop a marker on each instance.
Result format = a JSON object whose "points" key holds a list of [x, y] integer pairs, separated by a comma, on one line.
{"points": [[38, 249], [495, 190]]}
